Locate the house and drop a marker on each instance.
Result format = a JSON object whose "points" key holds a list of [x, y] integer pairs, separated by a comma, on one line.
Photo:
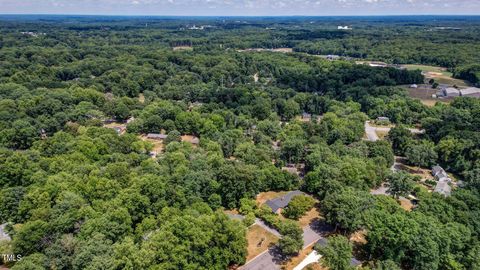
{"points": [[451, 92], [291, 169], [383, 119], [119, 129], [281, 202], [443, 188], [436, 170], [470, 92], [440, 174], [443, 185], [306, 117], [156, 136]]}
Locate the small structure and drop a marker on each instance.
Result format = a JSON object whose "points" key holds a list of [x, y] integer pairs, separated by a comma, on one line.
{"points": [[281, 202], [3, 234], [43, 134], [306, 117], [346, 27], [414, 86], [443, 185], [470, 92], [291, 169], [436, 170], [383, 119], [156, 136], [450, 92], [443, 188], [191, 139], [119, 129]]}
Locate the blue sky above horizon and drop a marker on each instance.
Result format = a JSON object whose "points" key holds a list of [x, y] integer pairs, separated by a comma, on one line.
{"points": [[241, 7]]}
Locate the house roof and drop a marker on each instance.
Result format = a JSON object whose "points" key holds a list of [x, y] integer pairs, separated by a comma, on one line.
{"points": [[441, 175], [157, 136], [470, 91], [451, 91], [443, 188], [282, 201], [354, 262], [437, 169]]}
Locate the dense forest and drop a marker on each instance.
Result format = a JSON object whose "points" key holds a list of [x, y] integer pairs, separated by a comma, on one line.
{"points": [[75, 194]]}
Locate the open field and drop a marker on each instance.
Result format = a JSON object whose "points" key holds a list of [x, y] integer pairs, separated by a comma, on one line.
{"points": [[440, 74], [310, 216], [434, 70], [183, 48], [258, 240]]}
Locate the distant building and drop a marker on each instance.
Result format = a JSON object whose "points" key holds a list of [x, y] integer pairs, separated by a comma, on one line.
{"points": [[3, 234], [340, 27], [443, 188], [306, 117], [413, 86], [281, 202], [383, 119], [291, 169], [443, 181], [156, 136], [451, 92], [191, 139], [470, 92]]}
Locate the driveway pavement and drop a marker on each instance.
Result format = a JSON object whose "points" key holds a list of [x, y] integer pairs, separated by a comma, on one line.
{"points": [[272, 259], [371, 131]]}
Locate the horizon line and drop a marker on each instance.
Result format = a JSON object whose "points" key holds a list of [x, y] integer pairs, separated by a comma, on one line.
{"points": [[272, 16]]}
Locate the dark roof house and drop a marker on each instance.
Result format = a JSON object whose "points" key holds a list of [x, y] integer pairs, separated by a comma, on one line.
{"points": [[282, 201]]}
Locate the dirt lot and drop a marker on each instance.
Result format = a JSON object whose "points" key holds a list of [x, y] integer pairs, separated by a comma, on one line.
{"points": [[439, 74], [425, 96], [183, 48], [259, 240], [157, 144], [309, 217]]}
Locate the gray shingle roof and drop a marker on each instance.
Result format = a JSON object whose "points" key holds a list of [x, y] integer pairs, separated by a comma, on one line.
{"points": [[443, 188], [156, 136], [436, 169], [282, 201]]}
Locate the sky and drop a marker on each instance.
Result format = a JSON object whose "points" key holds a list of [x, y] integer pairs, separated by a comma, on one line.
{"points": [[241, 7]]}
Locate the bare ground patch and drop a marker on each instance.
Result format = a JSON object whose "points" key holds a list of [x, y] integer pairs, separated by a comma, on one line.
{"points": [[259, 240]]}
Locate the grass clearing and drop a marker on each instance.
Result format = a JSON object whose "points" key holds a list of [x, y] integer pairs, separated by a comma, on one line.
{"points": [[433, 69], [183, 48], [157, 144], [258, 240], [310, 216]]}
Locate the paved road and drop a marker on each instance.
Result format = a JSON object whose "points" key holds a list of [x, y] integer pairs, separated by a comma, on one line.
{"points": [[371, 131], [271, 259], [262, 224]]}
